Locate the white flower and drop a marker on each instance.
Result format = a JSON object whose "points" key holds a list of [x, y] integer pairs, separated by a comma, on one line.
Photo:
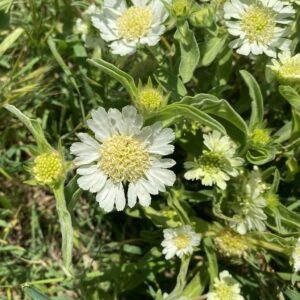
{"points": [[248, 204], [84, 27], [179, 241], [217, 164], [124, 155], [259, 25], [124, 28], [296, 256], [287, 67], [225, 288]]}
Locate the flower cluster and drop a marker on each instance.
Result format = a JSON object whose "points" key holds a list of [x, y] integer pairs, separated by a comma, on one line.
{"points": [[247, 202], [216, 164]]}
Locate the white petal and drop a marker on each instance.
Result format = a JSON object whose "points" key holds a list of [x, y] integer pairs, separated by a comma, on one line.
{"points": [[150, 40], [106, 197], [140, 2], [161, 139], [100, 124], [108, 33], [121, 47], [131, 194], [160, 14], [119, 5], [120, 198]]}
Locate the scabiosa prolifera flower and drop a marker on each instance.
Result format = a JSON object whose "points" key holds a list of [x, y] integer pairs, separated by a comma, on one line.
{"points": [[125, 158], [125, 27], [216, 164], [260, 26], [225, 288], [180, 241]]}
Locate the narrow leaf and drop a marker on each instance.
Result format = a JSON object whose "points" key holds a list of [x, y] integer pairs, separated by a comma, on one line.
{"points": [[33, 126], [10, 39], [125, 79], [257, 105], [35, 294], [175, 110]]}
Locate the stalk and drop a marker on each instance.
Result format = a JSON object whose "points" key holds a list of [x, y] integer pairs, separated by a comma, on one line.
{"points": [[65, 226], [181, 279]]}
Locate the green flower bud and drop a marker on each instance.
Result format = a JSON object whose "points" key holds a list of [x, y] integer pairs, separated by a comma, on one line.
{"points": [[260, 137], [48, 168], [202, 17], [149, 99]]}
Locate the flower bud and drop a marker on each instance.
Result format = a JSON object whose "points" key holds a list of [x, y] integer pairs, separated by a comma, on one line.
{"points": [[48, 168]]}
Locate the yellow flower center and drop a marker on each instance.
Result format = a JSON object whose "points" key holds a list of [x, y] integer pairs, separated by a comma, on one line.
{"points": [[260, 136], [182, 241], [231, 244], [225, 292], [134, 23], [48, 168], [210, 162], [272, 200], [124, 158], [291, 68], [259, 24], [150, 99]]}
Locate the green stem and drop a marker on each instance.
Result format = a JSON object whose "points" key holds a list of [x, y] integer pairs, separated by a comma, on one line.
{"points": [[181, 279], [65, 226], [267, 245]]}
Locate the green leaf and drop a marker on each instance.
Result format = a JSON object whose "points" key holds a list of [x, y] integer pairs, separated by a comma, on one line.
{"points": [[190, 54], [221, 108], [197, 285], [212, 259], [295, 134], [179, 110], [33, 126], [125, 79], [257, 104], [260, 156], [35, 294], [211, 49], [10, 39], [290, 95], [292, 294], [62, 64]]}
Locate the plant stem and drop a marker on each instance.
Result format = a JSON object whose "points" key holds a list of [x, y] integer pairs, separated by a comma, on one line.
{"points": [[181, 279], [65, 226]]}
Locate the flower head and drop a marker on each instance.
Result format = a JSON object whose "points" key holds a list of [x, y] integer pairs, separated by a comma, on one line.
{"points": [[124, 154], [287, 68], [48, 168], [296, 256], [180, 241], [225, 288], [150, 99], [231, 244], [247, 201], [260, 137], [259, 25], [217, 164], [126, 27], [84, 27]]}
